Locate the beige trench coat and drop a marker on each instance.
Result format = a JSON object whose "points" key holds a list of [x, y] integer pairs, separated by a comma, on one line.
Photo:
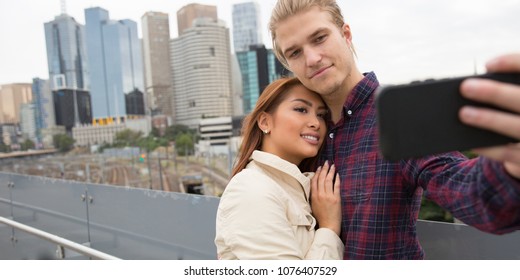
{"points": [[264, 213]]}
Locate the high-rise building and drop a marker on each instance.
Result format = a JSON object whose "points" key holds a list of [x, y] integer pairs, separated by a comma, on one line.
{"points": [[28, 121], [237, 89], [12, 96], [201, 71], [247, 28], [66, 54], [134, 103], [115, 62], [68, 69], [187, 14], [68, 103], [42, 99], [156, 58], [258, 67]]}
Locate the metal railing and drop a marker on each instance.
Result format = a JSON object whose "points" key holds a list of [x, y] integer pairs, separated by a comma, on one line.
{"points": [[132, 223], [61, 242]]}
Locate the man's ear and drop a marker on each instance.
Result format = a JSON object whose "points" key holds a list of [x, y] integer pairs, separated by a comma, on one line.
{"points": [[264, 121], [346, 32]]}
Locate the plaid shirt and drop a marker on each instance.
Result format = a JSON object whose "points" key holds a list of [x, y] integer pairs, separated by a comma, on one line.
{"points": [[381, 199]]}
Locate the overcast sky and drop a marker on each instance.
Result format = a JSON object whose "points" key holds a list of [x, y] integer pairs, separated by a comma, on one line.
{"points": [[401, 40]]}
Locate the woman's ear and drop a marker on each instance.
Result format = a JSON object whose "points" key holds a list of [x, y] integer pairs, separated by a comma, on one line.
{"points": [[264, 122]]}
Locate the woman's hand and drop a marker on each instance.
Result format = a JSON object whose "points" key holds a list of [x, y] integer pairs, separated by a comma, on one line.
{"points": [[326, 199], [502, 95]]}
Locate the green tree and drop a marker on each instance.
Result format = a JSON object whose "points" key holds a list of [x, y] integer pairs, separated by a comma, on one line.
{"points": [[27, 144], [4, 148], [184, 143], [149, 143], [433, 212], [155, 132], [63, 142], [173, 131], [127, 137]]}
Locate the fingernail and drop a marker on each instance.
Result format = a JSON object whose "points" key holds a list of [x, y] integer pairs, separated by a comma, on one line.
{"points": [[468, 113], [319, 168], [492, 64], [470, 86], [326, 163]]}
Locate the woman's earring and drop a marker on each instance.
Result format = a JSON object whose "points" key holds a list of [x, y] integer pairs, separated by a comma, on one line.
{"points": [[266, 131]]}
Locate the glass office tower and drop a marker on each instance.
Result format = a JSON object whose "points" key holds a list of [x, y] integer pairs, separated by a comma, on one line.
{"points": [[66, 53], [115, 60], [258, 67], [44, 106], [247, 29]]}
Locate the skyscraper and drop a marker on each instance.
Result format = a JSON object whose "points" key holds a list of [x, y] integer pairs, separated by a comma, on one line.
{"points": [[187, 14], [258, 66], [201, 71], [67, 63], [156, 58], [247, 28], [28, 121], [44, 107], [67, 103], [12, 96], [66, 55], [115, 61]]}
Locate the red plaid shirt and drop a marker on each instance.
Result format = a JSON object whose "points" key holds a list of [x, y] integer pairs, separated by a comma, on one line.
{"points": [[381, 199]]}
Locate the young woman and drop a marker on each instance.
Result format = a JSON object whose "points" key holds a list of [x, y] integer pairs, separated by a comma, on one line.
{"points": [[270, 209]]}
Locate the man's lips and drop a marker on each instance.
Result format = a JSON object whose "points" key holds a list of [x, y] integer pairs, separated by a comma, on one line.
{"points": [[316, 73]]}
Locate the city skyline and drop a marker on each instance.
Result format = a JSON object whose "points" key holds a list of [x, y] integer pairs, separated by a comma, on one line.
{"points": [[401, 41]]}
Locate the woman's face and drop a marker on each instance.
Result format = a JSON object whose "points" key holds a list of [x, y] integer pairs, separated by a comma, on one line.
{"points": [[297, 127]]}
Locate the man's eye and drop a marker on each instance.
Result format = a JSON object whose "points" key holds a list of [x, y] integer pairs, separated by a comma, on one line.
{"points": [[320, 38], [294, 54]]}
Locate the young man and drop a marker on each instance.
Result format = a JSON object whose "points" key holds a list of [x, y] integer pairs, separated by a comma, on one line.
{"points": [[381, 199]]}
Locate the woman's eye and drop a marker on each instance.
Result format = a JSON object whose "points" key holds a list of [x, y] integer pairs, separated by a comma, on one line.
{"points": [[322, 115], [301, 110]]}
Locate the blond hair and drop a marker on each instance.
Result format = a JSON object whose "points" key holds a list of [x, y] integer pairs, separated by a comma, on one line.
{"points": [[287, 8]]}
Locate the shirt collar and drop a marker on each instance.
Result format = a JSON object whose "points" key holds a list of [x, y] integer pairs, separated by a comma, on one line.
{"points": [[359, 94], [285, 167], [362, 91]]}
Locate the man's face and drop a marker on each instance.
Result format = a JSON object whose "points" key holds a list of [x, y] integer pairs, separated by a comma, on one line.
{"points": [[316, 50]]}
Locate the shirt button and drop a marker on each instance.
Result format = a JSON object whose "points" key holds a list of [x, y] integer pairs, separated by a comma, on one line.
{"points": [[349, 112], [331, 135]]}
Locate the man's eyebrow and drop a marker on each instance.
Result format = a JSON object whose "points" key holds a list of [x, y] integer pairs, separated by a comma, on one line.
{"points": [[314, 34]]}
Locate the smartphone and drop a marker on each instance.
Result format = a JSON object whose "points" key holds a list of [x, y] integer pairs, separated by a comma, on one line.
{"points": [[421, 118]]}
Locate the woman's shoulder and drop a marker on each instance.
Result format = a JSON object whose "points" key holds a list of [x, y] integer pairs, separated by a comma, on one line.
{"points": [[251, 176], [252, 182]]}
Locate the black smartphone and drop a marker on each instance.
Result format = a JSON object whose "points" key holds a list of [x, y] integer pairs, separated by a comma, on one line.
{"points": [[421, 118]]}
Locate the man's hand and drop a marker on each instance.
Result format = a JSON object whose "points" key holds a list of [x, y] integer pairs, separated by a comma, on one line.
{"points": [[501, 95]]}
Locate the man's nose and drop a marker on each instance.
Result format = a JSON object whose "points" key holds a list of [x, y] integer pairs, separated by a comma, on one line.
{"points": [[312, 56]]}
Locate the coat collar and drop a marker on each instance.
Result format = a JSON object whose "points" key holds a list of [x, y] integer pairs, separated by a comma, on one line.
{"points": [[286, 167]]}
